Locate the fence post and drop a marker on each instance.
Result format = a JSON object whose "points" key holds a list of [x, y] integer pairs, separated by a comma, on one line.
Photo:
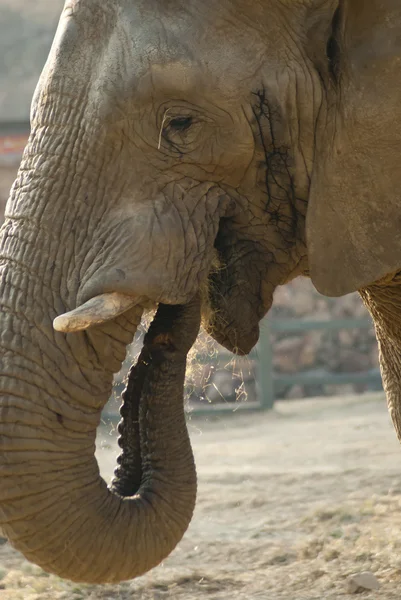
{"points": [[265, 367]]}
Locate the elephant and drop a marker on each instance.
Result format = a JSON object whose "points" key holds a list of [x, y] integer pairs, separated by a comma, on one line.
{"points": [[188, 157]]}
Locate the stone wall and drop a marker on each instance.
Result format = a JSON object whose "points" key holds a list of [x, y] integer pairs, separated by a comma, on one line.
{"points": [[344, 351], [316, 352]]}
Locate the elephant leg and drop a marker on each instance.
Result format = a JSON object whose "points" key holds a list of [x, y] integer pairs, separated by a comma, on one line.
{"points": [[383, 301]]}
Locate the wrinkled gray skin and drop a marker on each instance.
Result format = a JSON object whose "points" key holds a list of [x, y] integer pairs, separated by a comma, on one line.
{"points": [[165, 133]]}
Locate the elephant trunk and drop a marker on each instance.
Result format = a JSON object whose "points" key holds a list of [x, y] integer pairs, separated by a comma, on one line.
{"points": [[383, 301], [54, 506]]}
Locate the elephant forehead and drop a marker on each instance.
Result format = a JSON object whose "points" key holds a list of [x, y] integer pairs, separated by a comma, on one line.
{"points": [[179, 44], [130, 55], [124, 46]]}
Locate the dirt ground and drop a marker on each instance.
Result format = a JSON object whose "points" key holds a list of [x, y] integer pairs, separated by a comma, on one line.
{"points": [[289, 505]]}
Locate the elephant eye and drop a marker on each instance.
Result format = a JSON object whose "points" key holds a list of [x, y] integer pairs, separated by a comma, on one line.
{"points": [[180, 132], [180, 124]]}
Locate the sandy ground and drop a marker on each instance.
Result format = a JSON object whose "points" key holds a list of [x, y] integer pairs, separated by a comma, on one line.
{"points": [[289, 505]]}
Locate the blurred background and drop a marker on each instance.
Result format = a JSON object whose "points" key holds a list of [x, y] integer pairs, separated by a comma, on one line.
{"points": [[310, 345]]}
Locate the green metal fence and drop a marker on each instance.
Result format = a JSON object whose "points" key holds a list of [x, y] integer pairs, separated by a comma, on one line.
{"points": [[268, 379]]}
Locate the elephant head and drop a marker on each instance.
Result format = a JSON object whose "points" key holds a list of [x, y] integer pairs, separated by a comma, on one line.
{"points": [[178, 149]]}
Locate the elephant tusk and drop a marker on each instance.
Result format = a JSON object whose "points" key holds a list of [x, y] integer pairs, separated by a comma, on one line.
{"points": [[95, 311]]}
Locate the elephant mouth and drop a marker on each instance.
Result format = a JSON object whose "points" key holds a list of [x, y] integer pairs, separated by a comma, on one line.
{"points": [[231, 321]]}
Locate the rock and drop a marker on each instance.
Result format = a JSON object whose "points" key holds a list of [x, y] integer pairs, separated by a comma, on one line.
{"points": [[362, 581], [286, 354], [295, 392], [307, 356]]}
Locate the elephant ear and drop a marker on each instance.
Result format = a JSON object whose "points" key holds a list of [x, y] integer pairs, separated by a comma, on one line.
{"points": [[354, 212]]}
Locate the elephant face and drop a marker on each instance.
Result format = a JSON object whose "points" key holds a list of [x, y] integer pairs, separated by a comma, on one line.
{"points": [[190, 153], [178, 149]]}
